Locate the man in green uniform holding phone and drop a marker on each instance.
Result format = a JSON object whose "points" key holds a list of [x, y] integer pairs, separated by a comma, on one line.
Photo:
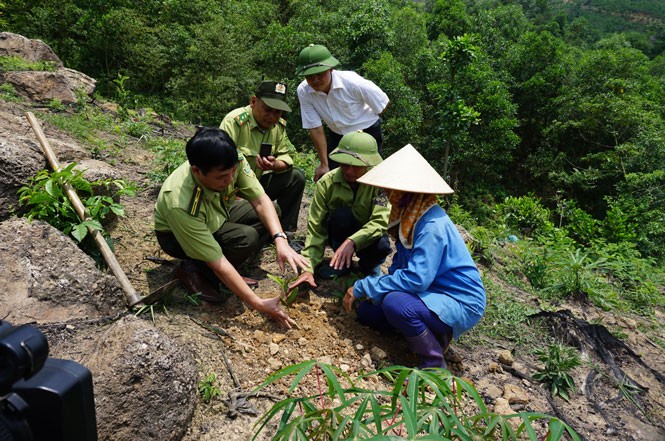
{"points": [[259, 132]]}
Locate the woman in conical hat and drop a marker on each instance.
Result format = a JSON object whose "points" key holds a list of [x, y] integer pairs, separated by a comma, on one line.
{"points": [[433, 292]]}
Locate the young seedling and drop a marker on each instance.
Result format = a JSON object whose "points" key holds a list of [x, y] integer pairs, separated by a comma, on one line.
{"points": [[207, 388], [287, 296]]}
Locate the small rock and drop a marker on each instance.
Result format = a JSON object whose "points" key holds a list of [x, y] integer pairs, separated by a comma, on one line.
{"points": [[502, 407], [261, 336], [326, 359], [278, 338], [494, 367], [515, 394], [366, 361], [344, 367], [274, 364], [273, 348], [506, 358], [302, 341], [493, 391], [378, 353], [359, 347]]}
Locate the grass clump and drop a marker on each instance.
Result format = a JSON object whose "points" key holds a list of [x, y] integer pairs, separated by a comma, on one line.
{"points": [[415, 404]]}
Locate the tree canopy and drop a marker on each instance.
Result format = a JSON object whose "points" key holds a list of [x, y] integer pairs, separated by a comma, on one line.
{"points": [[507, 97]]}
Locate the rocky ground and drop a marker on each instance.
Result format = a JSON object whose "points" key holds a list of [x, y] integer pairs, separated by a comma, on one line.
{"points": [[255, 346]]}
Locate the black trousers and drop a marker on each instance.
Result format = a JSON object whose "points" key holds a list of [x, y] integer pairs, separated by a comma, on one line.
{"points": [[286, 189], [332, 140], [342, 224]]}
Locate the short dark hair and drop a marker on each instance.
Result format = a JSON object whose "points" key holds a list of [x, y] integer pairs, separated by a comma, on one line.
{"points": [[211, 148]]}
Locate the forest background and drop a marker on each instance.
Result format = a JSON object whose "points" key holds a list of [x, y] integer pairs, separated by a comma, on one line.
{"points": [[546, 117]]}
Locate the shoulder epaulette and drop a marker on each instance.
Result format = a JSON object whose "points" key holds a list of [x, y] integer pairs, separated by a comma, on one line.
{"points": [[195, 202], [282, 121], [241, 118]]}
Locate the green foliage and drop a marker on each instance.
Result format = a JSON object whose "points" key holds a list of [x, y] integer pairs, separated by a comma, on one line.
{"points": [[46, 199], [14, 63], [287, 296], [56, 105], [8, 93], [169, 155], [208, 390], [578, 274], [416, 404], [525, 215], [559, 361]]}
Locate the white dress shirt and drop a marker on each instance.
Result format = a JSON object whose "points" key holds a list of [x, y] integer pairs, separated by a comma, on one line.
{"points": [[353, 103]]}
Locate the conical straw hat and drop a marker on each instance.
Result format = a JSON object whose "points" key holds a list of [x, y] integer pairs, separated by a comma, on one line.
{"points": [[406, 170]]}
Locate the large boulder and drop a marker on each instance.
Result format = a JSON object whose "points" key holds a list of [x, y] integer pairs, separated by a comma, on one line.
{"points": [[61, 84], [19, 161], [44, 276], [14, 45], [145, 383]]}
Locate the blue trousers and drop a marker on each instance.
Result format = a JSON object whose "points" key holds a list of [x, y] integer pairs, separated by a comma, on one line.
{"points": [[404, 312]]}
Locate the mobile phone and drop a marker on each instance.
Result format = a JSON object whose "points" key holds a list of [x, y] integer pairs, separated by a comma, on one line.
{"points": [[266, 150]]}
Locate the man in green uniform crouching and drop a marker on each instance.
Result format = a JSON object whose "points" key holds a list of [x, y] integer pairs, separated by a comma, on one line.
{"points": [[350, 217], [199, 218], [261, 125]]}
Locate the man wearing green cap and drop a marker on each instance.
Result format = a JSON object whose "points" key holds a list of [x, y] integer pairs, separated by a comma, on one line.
{"points": [[350, 217], [261, 124], [344, 100]]}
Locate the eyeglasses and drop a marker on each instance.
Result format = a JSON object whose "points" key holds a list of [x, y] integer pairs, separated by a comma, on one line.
{"points": [[353, 154]]}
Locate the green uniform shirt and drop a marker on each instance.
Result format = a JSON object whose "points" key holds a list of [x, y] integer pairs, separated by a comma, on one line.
{"points": [[367, 205], [193, 213], [248, 136]]}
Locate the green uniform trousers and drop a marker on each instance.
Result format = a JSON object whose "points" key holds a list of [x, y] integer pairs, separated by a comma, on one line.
{"points": [[240, 237]]}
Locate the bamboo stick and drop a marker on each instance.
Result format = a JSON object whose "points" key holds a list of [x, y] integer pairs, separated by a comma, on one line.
{"points": [[131, 296]]}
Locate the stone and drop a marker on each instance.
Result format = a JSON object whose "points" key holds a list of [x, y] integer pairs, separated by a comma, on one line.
{"points": [[144, 382], [515, 394], [378, 353], [14, 45], [506, 358], [494, 367]]}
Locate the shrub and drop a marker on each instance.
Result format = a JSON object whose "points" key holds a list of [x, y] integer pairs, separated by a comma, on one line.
{"points": [[46, 199], [525, 215]]}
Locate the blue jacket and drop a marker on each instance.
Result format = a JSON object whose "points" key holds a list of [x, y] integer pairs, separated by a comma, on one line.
{"points": [[439, 269]]}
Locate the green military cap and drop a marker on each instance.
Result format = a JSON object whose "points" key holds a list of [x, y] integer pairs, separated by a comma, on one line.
{"points": [[315, 59], [357, 148], [273, 94]]}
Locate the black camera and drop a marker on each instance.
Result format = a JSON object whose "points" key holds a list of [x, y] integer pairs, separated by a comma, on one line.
{"points": [[42, 398]]}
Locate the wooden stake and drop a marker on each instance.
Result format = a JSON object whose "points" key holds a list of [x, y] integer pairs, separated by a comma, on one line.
{"points": [[131, 296]]}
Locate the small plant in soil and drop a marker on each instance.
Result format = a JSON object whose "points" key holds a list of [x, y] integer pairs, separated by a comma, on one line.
{"points": [[208, 389], [559, 361], [287, 296]]}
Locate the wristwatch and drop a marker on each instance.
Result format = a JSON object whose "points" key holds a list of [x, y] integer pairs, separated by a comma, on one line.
{"points": [[280, 234]]}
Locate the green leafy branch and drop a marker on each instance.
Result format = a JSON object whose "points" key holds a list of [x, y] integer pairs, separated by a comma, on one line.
{"points": [[46, 199]]}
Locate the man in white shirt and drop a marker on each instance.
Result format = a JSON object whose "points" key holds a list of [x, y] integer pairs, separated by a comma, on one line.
{"points": [[344, 100]]}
